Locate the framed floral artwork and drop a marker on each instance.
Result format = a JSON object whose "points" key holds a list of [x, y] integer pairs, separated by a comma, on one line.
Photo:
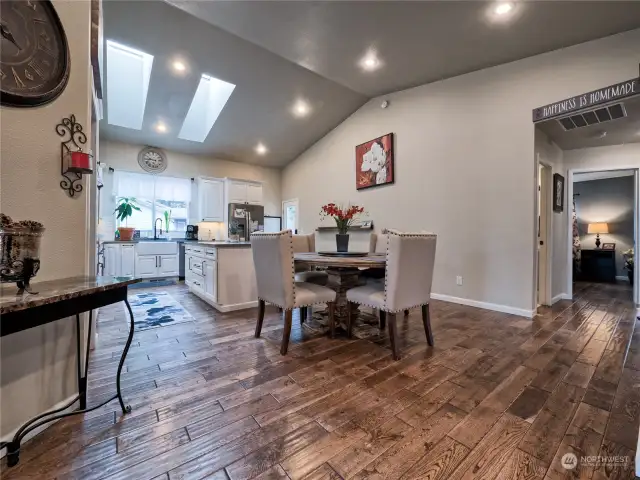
{"points": [[374, 162]]}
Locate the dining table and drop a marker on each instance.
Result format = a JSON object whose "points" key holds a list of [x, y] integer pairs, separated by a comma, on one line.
{"points": [[343, 273]]}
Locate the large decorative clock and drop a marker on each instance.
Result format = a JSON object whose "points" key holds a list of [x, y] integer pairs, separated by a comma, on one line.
{"points": [[34, 55], [152, 160]]}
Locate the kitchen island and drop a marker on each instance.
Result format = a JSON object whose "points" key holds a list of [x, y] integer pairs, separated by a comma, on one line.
{"points": [[221, 274]]}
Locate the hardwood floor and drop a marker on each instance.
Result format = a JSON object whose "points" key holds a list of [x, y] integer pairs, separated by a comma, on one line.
{"points": [[498, 397]]}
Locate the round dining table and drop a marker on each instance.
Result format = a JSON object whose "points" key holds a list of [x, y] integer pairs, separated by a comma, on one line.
{"points": [[343, 273]]}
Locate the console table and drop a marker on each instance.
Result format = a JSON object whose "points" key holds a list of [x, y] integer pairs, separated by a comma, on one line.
{"points": [[56, 300], [598, 265]]}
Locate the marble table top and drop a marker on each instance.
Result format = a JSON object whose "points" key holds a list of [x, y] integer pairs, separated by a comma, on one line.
{"points": [[56, 290]]}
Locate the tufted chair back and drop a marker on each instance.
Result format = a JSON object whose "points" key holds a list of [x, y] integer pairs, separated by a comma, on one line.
{"points": [[273, 262], [409, 274]]}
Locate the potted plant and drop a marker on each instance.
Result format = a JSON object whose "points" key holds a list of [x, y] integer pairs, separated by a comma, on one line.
{"points": [[123, 211], [167, 220], [234, 236], [628, 263], [344, 219]]}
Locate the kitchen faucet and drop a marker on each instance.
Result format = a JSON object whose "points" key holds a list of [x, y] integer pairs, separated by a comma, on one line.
{"points": [[155, 227]]}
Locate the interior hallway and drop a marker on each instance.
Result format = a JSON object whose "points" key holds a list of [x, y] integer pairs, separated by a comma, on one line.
{"points": [[500, 396]]}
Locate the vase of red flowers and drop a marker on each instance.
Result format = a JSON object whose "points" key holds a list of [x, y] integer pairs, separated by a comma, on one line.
{"points": [[344, 219]]}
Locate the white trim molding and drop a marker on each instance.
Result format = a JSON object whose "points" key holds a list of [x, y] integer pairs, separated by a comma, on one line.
{"points": [[622, 278], [8, 437], [560, 296], [484, 305]]}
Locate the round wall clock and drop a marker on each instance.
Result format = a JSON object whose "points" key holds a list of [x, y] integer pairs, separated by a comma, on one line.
{"points": [[152, 160], [34, 55]]}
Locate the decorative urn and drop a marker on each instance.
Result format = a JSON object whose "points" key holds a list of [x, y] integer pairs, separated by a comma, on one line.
{"points": [[19, 250]]}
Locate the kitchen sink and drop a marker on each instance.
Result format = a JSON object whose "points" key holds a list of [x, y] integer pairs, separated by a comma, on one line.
{"points": [[157, 247]]}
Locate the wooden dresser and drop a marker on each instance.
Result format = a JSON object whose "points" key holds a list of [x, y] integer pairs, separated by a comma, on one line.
{"points": [[598, 265]]}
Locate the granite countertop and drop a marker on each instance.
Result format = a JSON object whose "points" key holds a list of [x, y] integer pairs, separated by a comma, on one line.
{"points": [[138, 240], [55, 290], [214, 243]]}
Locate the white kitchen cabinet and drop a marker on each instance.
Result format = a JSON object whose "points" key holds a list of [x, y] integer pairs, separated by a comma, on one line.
{"points": [[254, 193], [210, 283], [127, 260], [146, 266], [236, 192], [211, 200], [167, 265], [244, 192], [111, 260]]}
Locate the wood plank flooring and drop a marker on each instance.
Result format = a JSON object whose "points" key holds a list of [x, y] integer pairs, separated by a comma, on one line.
{"points": [[498, 397]]}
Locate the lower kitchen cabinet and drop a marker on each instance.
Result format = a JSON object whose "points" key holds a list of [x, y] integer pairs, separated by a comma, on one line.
{"points": [[222, 276], [126, 260]]}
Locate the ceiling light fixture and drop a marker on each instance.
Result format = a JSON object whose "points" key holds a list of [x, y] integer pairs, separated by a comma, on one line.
{"points": [[370, 62], [301, 108], [503, 8], [161, 127], [261, 149], [179, 66]]}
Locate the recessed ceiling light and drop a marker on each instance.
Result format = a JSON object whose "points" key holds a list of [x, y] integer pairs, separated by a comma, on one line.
{"points": [[301, 108], [370, 62], [161, 127], [503, 8], [261, 149], [179, 66]]}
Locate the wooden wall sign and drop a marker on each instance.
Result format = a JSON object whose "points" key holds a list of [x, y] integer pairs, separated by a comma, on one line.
{"points": [[586, 100]]}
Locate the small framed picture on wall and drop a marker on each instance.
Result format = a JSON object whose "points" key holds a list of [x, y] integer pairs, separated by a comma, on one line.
{"points": [[558, 192], [608, 246]]}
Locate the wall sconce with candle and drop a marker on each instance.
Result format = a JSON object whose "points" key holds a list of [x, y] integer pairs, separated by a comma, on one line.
{"points": [[73, 161]]}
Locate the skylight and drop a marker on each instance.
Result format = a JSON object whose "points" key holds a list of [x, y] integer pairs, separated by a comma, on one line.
{"points": [[128, 75], [209, 100]]}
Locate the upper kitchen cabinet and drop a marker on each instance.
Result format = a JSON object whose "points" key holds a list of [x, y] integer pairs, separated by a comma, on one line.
{"points": [[211, 200], [244, 192]]}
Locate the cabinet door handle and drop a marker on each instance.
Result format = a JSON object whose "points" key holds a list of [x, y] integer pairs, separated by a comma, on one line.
{"points": [[156, 261], [190, 263], [204, 269]]}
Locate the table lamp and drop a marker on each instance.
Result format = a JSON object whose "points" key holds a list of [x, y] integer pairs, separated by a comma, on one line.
{"points": [[598, 228]]}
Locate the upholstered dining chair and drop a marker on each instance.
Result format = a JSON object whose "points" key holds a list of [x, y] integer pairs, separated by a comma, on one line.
{"points": [[407, 283], [304, 243], [274, 266]]}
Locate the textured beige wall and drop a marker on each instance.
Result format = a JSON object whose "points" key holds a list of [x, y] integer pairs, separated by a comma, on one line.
{"points": [[124, 156], [616, 156], [464, 164], [38, 365]]}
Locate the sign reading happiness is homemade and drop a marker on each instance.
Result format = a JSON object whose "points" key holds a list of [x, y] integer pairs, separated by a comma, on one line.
{"points": [[597, 97]]}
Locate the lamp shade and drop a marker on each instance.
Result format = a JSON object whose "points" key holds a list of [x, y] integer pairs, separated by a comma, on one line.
{"points": [[598, 228]]}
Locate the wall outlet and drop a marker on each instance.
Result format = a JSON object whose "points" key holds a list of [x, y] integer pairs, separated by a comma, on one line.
{"points": [[459, 280]]}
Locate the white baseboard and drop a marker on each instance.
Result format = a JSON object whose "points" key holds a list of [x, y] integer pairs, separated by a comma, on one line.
{"points": [[622, 278], [9, 436], [484, 305], [560, 296]]}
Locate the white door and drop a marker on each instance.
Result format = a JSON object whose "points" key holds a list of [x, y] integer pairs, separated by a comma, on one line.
{"points": [[212, 201], [237, 192], [112, 260], [254, 193], [127, 260], [290, 215], [167, 265], [209, 271], [146, 266]]}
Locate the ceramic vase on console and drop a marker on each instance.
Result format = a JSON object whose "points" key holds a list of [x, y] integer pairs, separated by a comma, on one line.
{"points": [[342, 242], [20, 250]]}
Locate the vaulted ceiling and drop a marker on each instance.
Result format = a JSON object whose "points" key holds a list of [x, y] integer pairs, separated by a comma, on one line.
{"points": [[279, 52]]}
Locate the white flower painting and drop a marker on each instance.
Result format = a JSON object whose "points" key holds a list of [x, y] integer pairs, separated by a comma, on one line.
{"points": [[374, 162]]}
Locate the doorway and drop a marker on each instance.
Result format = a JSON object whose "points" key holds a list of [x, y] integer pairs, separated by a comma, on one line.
{"points": [[544, 234], [290, 215], [609, 226]]}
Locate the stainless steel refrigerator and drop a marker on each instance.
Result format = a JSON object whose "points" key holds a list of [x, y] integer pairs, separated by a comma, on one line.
{"points": [[247, 218]]}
